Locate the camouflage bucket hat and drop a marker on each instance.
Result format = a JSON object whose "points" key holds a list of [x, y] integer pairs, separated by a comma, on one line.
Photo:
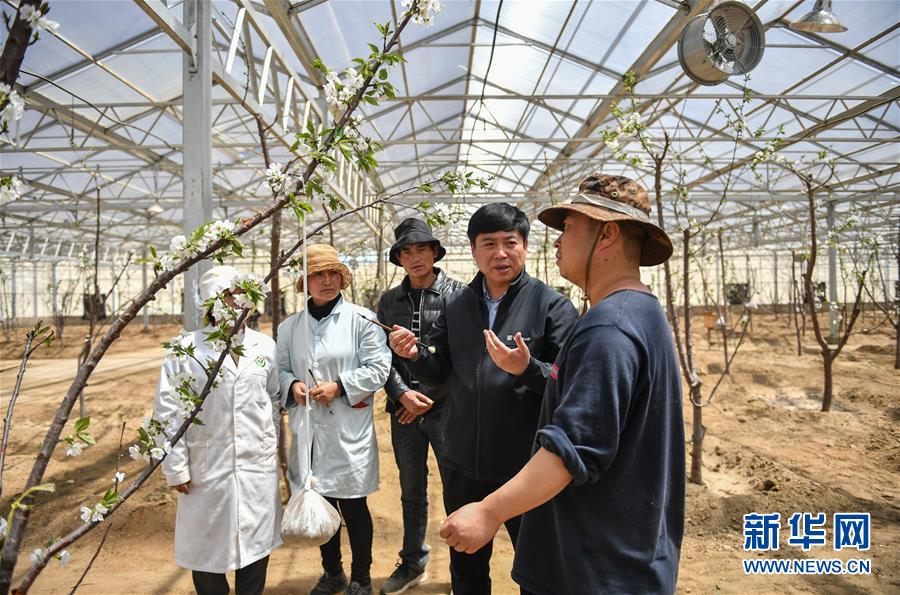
{"points": [[604, 197]]}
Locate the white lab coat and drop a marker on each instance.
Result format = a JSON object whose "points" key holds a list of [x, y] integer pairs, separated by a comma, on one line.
{"points": [[341, 345], [231, 516]]}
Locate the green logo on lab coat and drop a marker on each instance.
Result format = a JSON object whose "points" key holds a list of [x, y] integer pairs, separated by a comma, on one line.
{"points": [[261, 362]]}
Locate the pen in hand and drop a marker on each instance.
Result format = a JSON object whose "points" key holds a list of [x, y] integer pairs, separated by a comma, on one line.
{"points": [[389, 329]]}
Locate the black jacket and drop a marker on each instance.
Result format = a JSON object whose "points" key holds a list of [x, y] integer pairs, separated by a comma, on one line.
{"points": [[491, 415], [396, 307]]}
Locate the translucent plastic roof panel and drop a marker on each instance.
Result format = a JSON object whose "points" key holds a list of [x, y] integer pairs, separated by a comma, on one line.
{"points": [[563, 55]]}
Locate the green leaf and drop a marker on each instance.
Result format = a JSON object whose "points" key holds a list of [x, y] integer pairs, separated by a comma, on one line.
{"points": [[370, 100], [82, 424], [375, 49], [87, 438], [383, 74], [320, 66]]}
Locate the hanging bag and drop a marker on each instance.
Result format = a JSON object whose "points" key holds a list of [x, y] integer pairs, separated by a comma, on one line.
{"points": [[309, 519]]}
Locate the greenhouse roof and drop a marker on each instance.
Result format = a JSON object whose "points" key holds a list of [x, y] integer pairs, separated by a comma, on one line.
{"points": [[518, 91]]}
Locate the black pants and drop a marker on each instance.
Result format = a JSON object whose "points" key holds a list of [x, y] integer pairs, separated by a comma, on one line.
{"points": [[359, 527], [470, 574], [249, 580]]}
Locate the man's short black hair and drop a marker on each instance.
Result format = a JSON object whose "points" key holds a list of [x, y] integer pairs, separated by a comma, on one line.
{"points": [[498, 216]]}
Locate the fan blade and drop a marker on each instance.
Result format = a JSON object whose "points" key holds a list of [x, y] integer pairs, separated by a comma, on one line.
{"points": [[719, 23], [736, 17]]}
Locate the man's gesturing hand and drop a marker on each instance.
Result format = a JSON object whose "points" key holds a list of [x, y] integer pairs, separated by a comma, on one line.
{"points": [[404, 342], [515, 361]]}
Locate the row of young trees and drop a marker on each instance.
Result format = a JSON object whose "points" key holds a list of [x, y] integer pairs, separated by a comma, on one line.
{"points": [[630, 142]]}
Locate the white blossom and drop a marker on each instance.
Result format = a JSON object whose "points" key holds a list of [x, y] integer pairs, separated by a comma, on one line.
{"points": [[3, 527], [30, 13], [157, 453], [36, 20], [425, 10], [135, 452], [64, 557], [75, 449], [12, 109], [178, 243], [242, 300], [36, 556], [7, 195], [185, 408], [340, 92], [99, 512], [119, 477], [47, 25], [274, 176]]}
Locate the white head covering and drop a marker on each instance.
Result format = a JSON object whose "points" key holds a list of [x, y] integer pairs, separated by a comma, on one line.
{"points": [[216, 280]]}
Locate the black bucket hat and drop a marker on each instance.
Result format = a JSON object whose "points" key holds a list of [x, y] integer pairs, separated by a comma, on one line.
{"points": [[414, 231]]}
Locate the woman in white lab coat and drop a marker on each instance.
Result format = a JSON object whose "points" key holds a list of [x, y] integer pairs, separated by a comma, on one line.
{"points": [[225, 470], [348, 360]]}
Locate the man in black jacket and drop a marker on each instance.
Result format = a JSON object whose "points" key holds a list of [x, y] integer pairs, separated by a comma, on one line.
{"points": [[494, 343], [416, 409]]}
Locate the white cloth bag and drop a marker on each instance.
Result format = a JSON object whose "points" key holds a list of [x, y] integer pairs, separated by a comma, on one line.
{"points": [[309, 519]]}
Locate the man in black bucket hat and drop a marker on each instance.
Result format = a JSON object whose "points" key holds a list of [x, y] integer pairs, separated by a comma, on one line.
{"points": [[416, 409], [603, 493]]}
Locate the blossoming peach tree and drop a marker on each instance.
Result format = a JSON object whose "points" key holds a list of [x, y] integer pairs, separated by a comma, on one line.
{"points": [[817, 175], [295, 185], [23, 29], [631, 142]]}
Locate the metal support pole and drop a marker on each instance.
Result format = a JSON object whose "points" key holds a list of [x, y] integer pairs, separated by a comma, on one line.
{"points": [[146, 309], [197, 131], [750, 288], [34, 290], [113, 301], [833, 313], [775, 279], [12, 294], [719, 281], [54, 301]]}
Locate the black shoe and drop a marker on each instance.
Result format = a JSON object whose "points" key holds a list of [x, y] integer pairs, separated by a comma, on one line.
{"points": [[357, 589], [405, 576], [329, 584]]}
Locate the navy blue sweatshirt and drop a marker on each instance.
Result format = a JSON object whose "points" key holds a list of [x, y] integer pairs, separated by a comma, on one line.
{"points": [[612, 412]]}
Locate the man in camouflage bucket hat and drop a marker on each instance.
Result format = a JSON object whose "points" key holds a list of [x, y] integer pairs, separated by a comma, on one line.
{"points": [[603, 494]]}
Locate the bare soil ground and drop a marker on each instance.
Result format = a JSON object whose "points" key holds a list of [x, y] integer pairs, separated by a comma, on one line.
{"points": [[768, 449]]}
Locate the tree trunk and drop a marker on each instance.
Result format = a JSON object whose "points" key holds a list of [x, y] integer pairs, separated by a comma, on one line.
{"points": [[795, 303], [15, 46], [897, 346], [828, 391], [723, 313], [275, 283], [697, 438]]}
